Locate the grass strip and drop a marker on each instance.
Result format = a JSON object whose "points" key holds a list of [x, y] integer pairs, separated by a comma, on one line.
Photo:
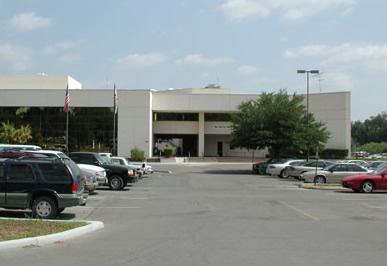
{"points": [[17, 229]]}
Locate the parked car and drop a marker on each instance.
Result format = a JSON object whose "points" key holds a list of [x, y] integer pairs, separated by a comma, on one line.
{"points": [[374, 165], [278, 169], [118, 176], [377, 180], [260, 168], [359, 162], [20, 154], [297, 170], [105, 155], [48, 185], [90, 181], [333, 173], [122, 161], [17, 147], [98, 172]]}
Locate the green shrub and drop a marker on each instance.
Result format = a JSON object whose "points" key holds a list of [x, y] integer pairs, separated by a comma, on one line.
{"points": [[372, 147], [137, 155], [170, 151], [334, 153]]}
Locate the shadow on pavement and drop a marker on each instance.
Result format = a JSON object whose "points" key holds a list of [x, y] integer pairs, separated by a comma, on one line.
{"points": [[23, 214]]}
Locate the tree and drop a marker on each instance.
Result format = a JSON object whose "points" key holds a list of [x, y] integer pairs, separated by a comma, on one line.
{"points": [[12, 135], [278, 122], [373, 129]]}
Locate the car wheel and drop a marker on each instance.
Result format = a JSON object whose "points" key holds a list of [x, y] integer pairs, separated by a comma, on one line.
{"points": [[44, 208], [320, 180], [284, 174], [116, 183], [367, 186]]}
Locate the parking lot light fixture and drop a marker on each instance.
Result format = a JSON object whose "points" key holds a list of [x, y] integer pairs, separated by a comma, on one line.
{"points": [[303, 71]]}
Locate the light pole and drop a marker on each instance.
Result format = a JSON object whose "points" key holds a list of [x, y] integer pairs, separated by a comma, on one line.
{"points": [[303, 71]]}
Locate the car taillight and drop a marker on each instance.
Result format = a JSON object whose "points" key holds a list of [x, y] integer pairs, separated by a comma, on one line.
{"points": [[130, 173], [74, 188]]}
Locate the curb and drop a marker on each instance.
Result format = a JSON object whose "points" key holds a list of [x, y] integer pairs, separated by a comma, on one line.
{"points": [[323, 187], [52, 238]]}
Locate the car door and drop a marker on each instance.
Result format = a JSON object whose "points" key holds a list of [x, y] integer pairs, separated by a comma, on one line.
{"points": [[20, 182], [338, 172], [2, 184]]}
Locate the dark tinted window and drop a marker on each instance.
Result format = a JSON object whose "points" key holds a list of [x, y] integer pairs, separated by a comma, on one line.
{"points": [[2, 172], [340, 168], [218, 117], [55, 172], [20, 172], [175, 117], [355, 168]]}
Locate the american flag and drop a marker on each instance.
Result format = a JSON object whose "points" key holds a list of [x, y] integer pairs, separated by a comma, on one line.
{"points": [[115, 104], [67, 100]]}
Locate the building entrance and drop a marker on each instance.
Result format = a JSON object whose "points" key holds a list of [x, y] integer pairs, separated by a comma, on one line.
{"points": [[185, 145]]}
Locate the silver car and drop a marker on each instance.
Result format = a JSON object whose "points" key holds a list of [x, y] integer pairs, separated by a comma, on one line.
{"points": [[297, 170], [333, 173]]}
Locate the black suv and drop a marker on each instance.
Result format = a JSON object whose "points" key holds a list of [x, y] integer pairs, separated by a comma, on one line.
{"points": [[45, 185], [118, 176]]}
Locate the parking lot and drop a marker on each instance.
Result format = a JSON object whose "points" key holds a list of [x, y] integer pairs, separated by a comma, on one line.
{"points": [[220, 214]]}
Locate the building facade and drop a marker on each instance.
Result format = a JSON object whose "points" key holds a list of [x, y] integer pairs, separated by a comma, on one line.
{"points": [[195, 121]]}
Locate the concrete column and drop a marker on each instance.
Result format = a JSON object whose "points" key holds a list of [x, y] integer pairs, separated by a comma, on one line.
{"points": [[201, 135]]}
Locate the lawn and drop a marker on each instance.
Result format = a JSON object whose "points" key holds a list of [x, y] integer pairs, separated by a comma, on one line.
{"points": [[16, 229]]}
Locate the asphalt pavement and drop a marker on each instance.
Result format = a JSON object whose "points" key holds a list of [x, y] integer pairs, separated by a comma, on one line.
{"points": [[219, 214]]}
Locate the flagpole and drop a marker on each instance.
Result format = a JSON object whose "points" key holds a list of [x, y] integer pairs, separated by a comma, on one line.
{"points": [[67, 132], [114, 119]]}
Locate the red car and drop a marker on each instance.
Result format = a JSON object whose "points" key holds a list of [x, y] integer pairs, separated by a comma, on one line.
{"points": [[367, 183]]}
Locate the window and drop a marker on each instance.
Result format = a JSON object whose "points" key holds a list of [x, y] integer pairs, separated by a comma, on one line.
{"points": [[2, 172], [55, 172], [340, 168], [20, 172], [217, 117], [355, 168], [175, 116], [116, 161]]}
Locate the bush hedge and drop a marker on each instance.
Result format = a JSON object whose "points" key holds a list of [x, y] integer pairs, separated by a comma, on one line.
{"points": [[137, 155], [170, 151]]}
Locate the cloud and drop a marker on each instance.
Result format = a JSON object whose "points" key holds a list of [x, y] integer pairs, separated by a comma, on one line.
{"points": [[17, 57], [28, 22], [199, 59], [60, 46], [344, 54], [138, 61], [293, 9], [247, 70]]}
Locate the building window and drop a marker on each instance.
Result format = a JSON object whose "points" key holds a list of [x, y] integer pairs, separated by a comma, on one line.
{"points": [[175, 116], [217, 117]]}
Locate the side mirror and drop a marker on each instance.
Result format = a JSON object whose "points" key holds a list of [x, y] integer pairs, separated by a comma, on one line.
{"points": [[96, 163]]}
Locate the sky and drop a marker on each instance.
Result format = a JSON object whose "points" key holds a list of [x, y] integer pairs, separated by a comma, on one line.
{"points": [[250, 46]]}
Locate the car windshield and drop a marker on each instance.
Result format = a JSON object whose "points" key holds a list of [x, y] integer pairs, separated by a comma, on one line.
{"points": [[380, 169], [100, 159]]}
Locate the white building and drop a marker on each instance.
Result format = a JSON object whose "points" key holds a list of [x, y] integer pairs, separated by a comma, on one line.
{"points": [[195, 119]]}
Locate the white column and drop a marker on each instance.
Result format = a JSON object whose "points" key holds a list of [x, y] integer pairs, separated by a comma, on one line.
{"points": [[201, 135]]}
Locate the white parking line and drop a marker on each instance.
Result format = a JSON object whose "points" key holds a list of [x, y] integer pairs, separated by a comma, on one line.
{"points": [[299, 211], [374, 207]]}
